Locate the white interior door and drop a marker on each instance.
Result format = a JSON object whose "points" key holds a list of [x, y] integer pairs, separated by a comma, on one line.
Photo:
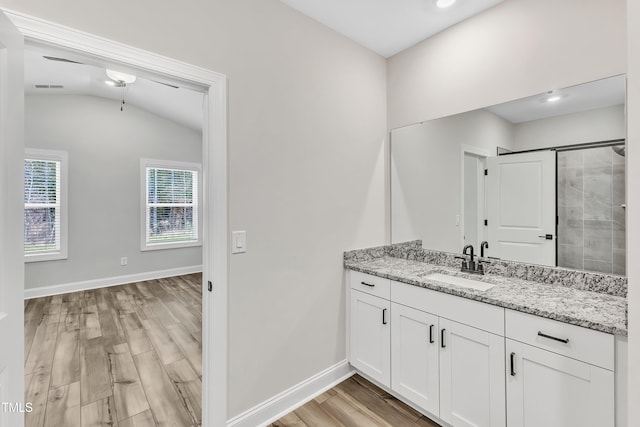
{"points": [[521, 194], [11, 220]]}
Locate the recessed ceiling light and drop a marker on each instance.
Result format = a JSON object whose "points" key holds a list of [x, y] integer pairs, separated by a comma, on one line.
{"points": [[444, 3], [119, 77]]}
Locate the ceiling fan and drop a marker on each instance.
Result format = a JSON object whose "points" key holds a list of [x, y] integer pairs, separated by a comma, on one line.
{"points": [[118, 83]]}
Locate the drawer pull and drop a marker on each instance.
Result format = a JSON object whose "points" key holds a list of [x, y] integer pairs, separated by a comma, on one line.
{"points": [[442, 344], [384, 318], [431, 340], [513, 368], [562, 340], [367, 284]]}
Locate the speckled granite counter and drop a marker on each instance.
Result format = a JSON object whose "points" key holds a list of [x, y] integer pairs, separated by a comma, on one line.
{"points": [[598, 310]]}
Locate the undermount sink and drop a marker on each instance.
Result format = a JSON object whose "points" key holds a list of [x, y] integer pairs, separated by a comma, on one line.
{"points": [[460, 281]]}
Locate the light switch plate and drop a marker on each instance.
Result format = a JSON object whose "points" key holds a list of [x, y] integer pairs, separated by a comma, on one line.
{"points": [[238, 242]]}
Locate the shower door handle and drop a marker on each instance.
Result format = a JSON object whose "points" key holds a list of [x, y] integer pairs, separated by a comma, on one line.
{"points": [[547, 236]]}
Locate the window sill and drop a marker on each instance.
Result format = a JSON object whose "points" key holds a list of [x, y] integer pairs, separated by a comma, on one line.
{"points": [[161, 246], [45, 257]]}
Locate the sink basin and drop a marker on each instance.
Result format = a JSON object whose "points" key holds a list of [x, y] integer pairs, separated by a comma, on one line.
{"points": [[460, 281]]}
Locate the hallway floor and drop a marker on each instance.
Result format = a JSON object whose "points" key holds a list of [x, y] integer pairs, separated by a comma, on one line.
{"points": [[122, 356]]}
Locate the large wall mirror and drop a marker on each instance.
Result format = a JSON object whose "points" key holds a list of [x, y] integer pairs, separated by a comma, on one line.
{"points": [[541, 179]]}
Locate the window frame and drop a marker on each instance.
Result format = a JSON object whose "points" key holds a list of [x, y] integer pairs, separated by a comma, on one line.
{"points": [[168, 164], [63, 158]]}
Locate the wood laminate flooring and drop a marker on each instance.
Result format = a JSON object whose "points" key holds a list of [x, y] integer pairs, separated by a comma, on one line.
{"points": [[355, 402], [122, 356]]}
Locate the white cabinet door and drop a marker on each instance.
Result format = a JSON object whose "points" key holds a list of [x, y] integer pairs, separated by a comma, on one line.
{"points": [[370, 337], [472, 392], [547, 389], [414, 356]]}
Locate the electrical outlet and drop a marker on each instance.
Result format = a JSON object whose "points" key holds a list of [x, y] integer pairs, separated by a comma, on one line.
{"points": [[124, 260]]}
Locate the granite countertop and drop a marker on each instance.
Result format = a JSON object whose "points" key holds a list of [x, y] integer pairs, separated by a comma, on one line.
{"points": [[593, 310]]}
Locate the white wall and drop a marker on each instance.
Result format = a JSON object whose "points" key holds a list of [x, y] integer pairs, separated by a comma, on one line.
{"points": [[600, 124], [633, 203], [104, 146], [516, 49], [307, 111], [425, 174]]}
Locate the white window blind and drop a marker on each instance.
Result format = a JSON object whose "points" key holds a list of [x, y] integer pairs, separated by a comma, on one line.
{"points": [[171, 213], [44, 205]]}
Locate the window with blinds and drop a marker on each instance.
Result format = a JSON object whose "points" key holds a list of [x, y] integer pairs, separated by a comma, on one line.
{"points": [[44, 210], [171, 206]]}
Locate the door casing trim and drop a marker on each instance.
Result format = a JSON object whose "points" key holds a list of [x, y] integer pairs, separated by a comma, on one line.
{"points": [[214, 143]]}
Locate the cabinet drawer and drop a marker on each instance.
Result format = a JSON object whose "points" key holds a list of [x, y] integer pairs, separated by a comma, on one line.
{"points": [[596, 348], [473, 313], [373, 285]]}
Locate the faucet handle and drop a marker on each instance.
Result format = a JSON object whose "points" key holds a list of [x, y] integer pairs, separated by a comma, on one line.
{"points": [[465, 261], [480, 264]]}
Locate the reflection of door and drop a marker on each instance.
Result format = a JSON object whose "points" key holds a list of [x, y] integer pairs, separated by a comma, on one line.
{"points": [[473, 199], [11, 218], [521, 194]]}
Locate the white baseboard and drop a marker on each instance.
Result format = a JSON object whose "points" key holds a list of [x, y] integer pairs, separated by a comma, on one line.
{"points": [[108, 281], [285, 402]]}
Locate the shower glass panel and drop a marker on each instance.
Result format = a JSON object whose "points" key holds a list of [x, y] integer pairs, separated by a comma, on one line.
{"points": [[591, 209]]}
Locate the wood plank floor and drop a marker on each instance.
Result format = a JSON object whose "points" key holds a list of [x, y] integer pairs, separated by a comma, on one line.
{"points": [[355, 402], [121, 356]]}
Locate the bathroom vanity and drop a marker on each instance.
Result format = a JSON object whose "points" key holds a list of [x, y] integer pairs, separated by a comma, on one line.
{"points": [[522, 345]]}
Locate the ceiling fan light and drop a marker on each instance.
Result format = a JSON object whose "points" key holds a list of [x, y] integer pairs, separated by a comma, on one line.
{"points": [[119, 77], [553, 96], [444, 3]]}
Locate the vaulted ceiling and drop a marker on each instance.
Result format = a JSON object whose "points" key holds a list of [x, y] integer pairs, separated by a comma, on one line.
{"points": [[56, 75], [389, 26]]}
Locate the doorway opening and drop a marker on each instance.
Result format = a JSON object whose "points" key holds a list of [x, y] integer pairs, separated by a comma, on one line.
{"points": [[473, 229], [134, 61]]}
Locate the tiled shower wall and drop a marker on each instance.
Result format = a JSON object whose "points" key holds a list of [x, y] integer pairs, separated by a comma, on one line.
{"points": [[591, 216]]}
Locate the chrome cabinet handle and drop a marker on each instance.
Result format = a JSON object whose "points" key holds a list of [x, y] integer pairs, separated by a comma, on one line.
{"points": [[562, 340]]}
